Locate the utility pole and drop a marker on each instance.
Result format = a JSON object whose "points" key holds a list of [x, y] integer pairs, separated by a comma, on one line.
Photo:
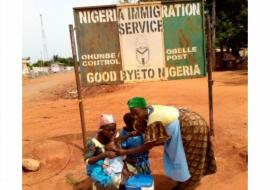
{"points": [[44, 44]]}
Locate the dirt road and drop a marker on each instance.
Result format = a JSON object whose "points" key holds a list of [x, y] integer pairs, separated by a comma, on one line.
{"points": [[52, 133]]}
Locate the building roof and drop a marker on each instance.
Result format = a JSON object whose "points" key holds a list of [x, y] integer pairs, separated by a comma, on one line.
{"points": [[25, 61]]}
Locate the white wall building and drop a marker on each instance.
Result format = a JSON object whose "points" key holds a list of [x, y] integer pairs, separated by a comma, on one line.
{"points": [[69, 68], [41, 69], [57, 67], [25, 68]]}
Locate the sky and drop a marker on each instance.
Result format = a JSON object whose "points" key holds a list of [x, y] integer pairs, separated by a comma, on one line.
{"points": [[56, 15]]}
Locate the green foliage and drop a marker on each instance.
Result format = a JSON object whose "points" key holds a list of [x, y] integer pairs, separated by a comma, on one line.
{"points": [[124, 1], [66, 61], [41, 63], [231, 24]]}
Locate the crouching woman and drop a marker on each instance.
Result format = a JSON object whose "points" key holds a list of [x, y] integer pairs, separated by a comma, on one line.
{"points": [[96, 153]]}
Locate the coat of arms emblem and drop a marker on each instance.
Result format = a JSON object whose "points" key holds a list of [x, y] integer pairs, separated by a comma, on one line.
{"points": [[142, 51]]}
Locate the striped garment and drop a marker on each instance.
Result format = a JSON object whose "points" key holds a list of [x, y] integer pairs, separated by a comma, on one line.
{"points": [[196, 141]]}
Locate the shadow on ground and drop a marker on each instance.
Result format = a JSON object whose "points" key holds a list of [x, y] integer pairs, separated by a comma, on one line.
{"points": [[235, 79], [70, 138]]}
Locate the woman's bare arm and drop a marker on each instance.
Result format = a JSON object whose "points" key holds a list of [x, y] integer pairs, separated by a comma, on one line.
{"points": [[139, 149]]}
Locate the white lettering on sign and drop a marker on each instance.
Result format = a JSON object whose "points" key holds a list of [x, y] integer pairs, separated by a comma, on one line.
{"points": [[137, 74], [99, 59], [140, 27], [101, 77], [95, 16], [176, 57], [182, 50], [100, 62], [139, 12], [179, 71], [177, 10], [144, 74], [98, 56], [179, 53], [143, 12]]}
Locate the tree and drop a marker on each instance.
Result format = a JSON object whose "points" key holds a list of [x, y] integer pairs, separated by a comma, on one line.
{"points": [[55, 58], [66, 61], [123, 1], [41, 63], [231, 25]]}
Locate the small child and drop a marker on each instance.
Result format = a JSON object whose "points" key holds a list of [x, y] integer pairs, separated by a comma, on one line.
{"points": [[139, 160]]}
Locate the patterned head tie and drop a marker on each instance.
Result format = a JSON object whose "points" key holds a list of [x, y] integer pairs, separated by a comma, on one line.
{"points": [[106, 119]]}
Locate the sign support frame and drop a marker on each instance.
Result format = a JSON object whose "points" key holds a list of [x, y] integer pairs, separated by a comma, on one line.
{"points": [[209, 71], [210, 62], [78, 83]]}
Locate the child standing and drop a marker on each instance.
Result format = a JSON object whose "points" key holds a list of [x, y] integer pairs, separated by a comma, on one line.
{"points": [[139, 160]]}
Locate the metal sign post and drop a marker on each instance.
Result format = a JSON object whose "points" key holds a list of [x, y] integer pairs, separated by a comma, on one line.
{"points": [[213, 34], [210, 80], [74, 54]]}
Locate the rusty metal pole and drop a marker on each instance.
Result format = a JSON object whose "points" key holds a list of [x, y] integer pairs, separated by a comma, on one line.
{"points": [[74, 54], [213, 41], [209, 70]]}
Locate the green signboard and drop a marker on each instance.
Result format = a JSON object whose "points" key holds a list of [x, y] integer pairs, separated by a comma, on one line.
{"points": [[140, 42], [184, 38]]}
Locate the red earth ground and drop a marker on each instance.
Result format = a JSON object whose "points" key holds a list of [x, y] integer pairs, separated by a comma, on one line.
{"points": [[52, 132]]}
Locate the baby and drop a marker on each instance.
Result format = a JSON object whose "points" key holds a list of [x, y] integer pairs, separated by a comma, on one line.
{"points": [[116, 167]]}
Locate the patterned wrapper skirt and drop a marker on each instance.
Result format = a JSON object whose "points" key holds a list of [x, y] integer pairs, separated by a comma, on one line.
{"points": [[197, 145]]}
